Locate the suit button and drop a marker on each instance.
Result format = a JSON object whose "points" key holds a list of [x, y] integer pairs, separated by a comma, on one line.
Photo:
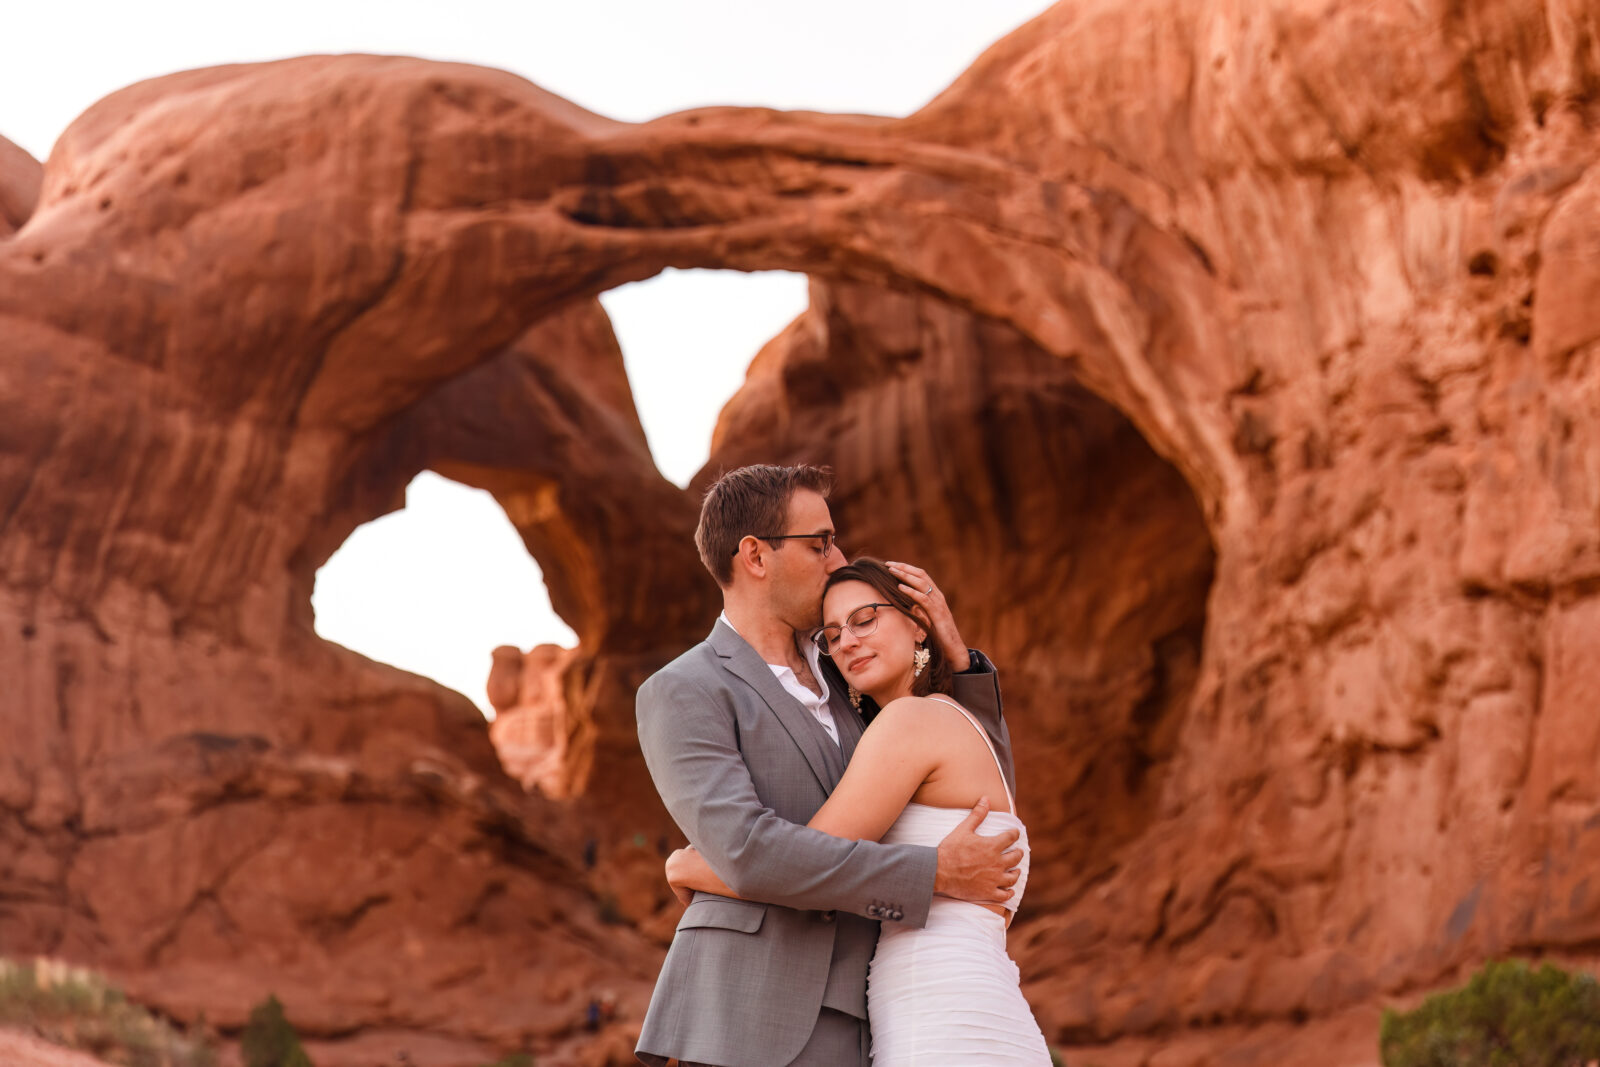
{"points": [[826, 916]]}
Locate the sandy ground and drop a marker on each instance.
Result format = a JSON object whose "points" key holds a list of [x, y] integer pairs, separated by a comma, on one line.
{"points": [[24, 1050]]}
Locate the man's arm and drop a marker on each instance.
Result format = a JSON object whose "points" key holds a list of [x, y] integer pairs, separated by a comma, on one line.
{"points": [[978, 690], [690, 745], [906, 746], [964, 873]]}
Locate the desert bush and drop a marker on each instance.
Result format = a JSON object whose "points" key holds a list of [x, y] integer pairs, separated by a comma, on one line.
{"points": [[269, 1040], [1507, 1015], [78, 1009]]}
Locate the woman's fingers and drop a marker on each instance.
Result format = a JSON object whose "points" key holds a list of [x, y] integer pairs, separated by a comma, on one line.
{"points": [[923, 592], [911, 575], [916, 583]]}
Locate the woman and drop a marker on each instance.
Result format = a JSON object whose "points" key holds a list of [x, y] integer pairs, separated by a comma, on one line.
{"points": [[946, 992]]}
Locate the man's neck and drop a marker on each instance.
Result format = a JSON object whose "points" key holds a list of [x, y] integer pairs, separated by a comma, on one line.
{"points": [[770, 636]]}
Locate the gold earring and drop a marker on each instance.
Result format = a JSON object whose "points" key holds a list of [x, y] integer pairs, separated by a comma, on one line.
{"points": [[855, 696], [919, 660]]}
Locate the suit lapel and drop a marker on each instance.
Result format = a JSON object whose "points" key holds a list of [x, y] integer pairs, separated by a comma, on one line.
{"points": [[743, 662]]}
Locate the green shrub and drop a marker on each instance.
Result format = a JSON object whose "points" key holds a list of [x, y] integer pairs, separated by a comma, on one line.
{"points": [[1507, 1015], [269, 1040]]}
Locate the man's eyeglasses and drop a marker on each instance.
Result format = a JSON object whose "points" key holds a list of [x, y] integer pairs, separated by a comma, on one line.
{"points": [[861, 622], [825, 538]]}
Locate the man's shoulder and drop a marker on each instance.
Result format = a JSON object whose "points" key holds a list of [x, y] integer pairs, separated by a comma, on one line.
{"points": [[696, 679], [695, 666]]}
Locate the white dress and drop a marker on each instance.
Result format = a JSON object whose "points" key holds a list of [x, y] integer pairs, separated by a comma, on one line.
{"points": [[947, 993]]}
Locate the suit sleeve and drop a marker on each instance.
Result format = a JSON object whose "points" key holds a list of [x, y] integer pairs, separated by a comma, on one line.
{"points": [[690, 743], [978, 690]]}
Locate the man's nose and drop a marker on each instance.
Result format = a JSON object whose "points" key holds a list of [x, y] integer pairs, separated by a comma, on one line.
{"points": [[834, 559]]}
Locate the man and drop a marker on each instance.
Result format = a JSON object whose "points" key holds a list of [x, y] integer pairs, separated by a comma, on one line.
{"points": [[745, 736]]}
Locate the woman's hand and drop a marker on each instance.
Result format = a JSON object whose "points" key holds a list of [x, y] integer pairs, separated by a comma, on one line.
{"points": [[680, 868], [688, 872], [936, 615]]}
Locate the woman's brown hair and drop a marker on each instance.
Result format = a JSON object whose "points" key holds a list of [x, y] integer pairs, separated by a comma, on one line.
{"points": [[936, 677]]}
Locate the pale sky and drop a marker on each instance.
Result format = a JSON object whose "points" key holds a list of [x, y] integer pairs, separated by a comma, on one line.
{"points": [[435, 587]]}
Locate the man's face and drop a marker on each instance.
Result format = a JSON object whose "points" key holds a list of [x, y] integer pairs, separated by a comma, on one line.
{"points": [[799, 567]]}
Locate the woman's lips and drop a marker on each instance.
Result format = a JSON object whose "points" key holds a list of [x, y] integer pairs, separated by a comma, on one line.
{"points": [[854, 665]]}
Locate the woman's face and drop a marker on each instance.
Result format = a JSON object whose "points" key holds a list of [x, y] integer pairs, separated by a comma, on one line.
{"points": [[879, 663]]}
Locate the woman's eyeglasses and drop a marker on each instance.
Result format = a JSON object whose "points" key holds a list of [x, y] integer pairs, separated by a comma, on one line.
{"points": [[861, 622]]}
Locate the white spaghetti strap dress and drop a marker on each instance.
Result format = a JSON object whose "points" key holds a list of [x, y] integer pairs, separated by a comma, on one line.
{"points": [[947, 993]]}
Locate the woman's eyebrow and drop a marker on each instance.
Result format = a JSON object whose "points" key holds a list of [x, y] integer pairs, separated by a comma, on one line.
{"points": [[847, 614]]}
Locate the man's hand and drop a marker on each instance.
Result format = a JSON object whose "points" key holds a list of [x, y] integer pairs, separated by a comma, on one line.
{"points": [[935, 611], [977, 867]]}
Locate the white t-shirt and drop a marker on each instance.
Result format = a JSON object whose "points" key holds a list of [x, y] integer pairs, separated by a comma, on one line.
{"points": [[816, 704]]}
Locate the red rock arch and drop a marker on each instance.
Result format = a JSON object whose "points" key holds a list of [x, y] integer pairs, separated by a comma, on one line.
{"points": [[1346, 300]]}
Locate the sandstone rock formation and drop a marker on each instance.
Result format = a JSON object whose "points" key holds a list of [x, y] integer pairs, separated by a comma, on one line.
{"points": [[20, 175], [1231, 365], [198, 794], [531, 727]]}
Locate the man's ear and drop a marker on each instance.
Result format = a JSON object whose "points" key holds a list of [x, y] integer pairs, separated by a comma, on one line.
{"points": [[751, 557]]}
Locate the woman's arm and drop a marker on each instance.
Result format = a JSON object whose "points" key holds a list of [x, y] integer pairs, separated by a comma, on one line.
{"points": [[688, 732], [688, 873], [893, 758]]}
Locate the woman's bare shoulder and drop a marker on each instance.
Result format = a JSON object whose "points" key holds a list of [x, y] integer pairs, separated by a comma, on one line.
{"points": [[915, 713]]}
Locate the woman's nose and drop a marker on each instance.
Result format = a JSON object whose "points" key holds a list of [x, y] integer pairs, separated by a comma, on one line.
{"points": [[847, 639]]}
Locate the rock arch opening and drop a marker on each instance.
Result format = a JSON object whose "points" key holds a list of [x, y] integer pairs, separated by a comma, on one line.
{"points": [[1073, 552], [687, 337], [434, 587]]}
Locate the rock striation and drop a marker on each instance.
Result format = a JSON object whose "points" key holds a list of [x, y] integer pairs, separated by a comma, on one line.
{"points": [[1231, 365]]}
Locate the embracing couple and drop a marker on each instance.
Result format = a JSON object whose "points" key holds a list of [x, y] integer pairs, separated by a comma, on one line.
{"points": [[848, 886]]}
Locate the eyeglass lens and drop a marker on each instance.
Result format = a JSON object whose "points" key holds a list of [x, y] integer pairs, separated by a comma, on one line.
{"points": [[861, 623]]}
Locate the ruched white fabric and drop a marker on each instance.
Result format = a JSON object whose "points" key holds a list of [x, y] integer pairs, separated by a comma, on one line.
{"points": [[948, 993]]}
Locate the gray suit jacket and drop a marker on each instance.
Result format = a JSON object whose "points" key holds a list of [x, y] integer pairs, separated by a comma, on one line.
{"points": [[741, 766]]}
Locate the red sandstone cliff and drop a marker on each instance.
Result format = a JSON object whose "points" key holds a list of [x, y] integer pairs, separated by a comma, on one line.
{"points": [[1230, 364], [20, 175]]}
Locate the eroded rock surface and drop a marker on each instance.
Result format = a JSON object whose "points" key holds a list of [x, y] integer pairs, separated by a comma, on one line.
{"points": [[532, 727], [20, 176], [1232, 365]]}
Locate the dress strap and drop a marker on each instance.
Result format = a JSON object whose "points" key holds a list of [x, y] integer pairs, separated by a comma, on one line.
{"points": [[987, 744]]}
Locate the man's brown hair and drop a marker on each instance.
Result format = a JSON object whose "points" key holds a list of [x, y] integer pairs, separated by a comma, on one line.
{"points": [[750, 501]]}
